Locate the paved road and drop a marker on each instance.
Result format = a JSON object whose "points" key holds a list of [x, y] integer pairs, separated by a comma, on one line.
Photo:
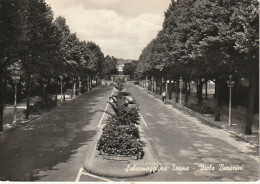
{"points": [[54, 147], [177, 138]]}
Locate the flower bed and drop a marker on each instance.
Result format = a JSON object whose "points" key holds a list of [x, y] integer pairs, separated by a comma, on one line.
{"points": [[120, 139]]}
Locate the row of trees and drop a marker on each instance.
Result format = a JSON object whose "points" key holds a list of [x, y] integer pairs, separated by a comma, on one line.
{"points": [[43, 51], [130, 69], [207, 40]]}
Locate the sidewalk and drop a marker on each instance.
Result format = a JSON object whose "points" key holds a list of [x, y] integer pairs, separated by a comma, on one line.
{"points": [[21, 106], [238, 124], [237, 113]]}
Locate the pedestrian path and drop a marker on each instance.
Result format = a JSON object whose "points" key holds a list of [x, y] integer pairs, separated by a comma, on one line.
{"points": [[238, 119], [8, 117], [238, 112]]}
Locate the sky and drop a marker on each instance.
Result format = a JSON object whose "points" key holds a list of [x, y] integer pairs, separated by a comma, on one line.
{"points": [[122, 28]]}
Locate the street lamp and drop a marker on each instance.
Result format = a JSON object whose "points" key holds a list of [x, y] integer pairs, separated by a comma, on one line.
{"points": [[15, 78], [166, 85], [230, 84], [181, 85], [61, 78]]}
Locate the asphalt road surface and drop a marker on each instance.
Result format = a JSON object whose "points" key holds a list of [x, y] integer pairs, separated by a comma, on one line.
{"points": [[190, 149], [54, 147]]}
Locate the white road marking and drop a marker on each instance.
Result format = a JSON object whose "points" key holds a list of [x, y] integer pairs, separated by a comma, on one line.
{"points": [[94, 176], [104, 112], [142, 119], [79, 174]]}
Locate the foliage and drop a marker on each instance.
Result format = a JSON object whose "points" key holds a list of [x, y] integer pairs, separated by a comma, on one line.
{"points": [[120, 135], [42, 105], [206, 40], [123, 112], [203, 108], [120, 139], [46, 48], [130, 68], [119, 85], [109, 67]]}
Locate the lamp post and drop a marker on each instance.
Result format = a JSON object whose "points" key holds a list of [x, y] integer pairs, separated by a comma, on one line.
{"points": [[170, 89], [161, 87], [167, 83], [181, 85], [74, 87], [61, 78], [230, 84], [15, 78]]}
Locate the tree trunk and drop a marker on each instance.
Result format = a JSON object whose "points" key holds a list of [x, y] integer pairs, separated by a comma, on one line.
{"points": [[189, 87], [186, 94], [206, 89], [74, 87], [199, 90], [251, 104], [42, 89], [161, 84], [152, 85], [177, 91], [19, 90], [91, 82], [218, 99], [56, 91], [5, 89], [235, 96], [170, 90], [28, 96], [1, 100], [156, 85]]}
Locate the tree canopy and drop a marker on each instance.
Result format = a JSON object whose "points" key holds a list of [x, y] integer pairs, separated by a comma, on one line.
{"points": [[205, 40]]}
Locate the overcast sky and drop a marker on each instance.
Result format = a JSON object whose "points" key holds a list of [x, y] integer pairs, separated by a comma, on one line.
{"points": [[122, 28]]}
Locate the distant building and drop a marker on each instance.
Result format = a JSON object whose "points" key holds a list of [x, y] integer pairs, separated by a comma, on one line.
{"points": [[120, 67]]}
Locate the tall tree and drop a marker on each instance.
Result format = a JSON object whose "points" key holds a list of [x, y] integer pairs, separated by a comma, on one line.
{"points": [[130, 69], [245, 28], [38, 21], [10, 39], [109, 67]]}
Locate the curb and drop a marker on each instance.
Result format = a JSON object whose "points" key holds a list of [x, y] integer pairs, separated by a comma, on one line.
{"points": [[117, 176], [201, 118], [40, 115], [94, 159]]}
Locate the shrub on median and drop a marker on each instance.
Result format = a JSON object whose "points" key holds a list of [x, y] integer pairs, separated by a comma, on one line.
{"points": [[120, 139], [121, 135]]}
